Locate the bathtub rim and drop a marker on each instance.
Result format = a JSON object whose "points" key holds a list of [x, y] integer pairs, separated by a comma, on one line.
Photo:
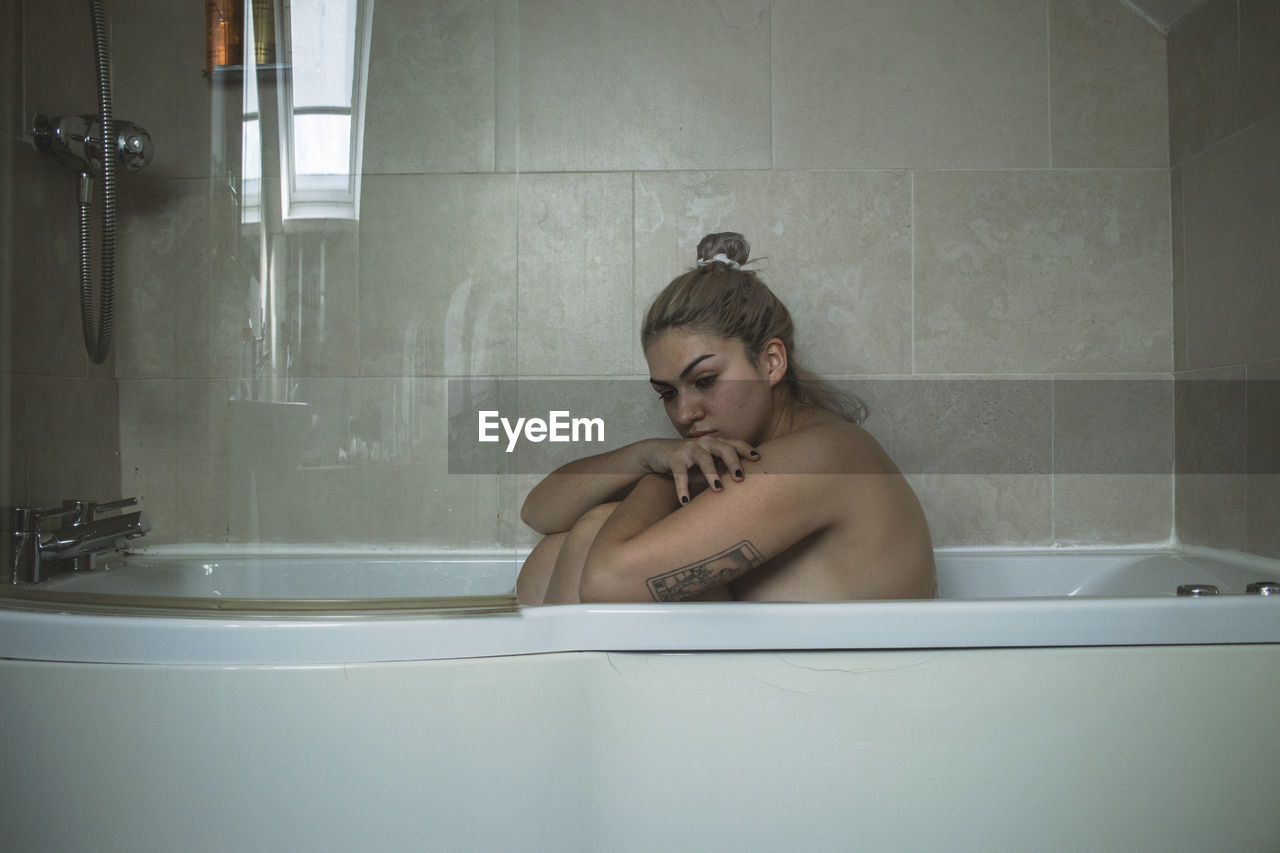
{"points": [[233, 639]]}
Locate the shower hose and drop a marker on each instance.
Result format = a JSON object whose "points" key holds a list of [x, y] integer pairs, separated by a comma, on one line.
{"points": [[97, 335]]}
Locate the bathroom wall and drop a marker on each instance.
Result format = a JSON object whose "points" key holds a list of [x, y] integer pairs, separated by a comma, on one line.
{"points": [[941, 190], [1224, 100], [59, 434]]}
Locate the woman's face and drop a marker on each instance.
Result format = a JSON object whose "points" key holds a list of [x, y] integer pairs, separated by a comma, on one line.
{"points": [[709, 386]]}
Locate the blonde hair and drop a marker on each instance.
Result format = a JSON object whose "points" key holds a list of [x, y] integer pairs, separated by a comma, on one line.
{"points": [[717, 296]]}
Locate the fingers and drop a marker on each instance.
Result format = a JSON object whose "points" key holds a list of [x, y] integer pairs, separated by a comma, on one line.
{"points": [[703, 457], [709, 456], [731, 453], [680, 476], [707, 465]]}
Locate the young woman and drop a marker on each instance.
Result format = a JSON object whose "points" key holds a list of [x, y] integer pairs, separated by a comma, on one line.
{"points": [[773, 492]]}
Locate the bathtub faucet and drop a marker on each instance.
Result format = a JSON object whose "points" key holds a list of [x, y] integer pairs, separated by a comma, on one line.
{"points": [[36, 541]]}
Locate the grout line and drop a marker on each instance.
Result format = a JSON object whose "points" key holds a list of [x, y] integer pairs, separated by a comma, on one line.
{"points": [[1048, 79], [773, 100], [634, 336], [913, 271], [1053, 466], [1244, 534]]}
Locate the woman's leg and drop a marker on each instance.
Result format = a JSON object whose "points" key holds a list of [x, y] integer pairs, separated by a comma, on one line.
{"points": [[535, 574], [553, 570], [563, 588]]}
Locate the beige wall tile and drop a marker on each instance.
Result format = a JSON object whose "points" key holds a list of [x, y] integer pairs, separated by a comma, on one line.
{"points": [[173, 456], [68, 438], [53, 33], [1092, 509], [1204, 79], [986, 509], [45, 267], [1224, 72], [576, 304], [1263, 424], [12, 479], [1259, 58], [1231, 198], [1212, 510], [1108, 86], [431, 88], [173, 318], [12, 118], [1178, 233], [966, 426], [1113, 426], [1042, 272], [1211, 461], [174, 104], [13, 461], [836, 249], [1210, 422], [1113, 459], [1263, 499], [927, 84], [357, 461], [667, 84], [438, 275]]}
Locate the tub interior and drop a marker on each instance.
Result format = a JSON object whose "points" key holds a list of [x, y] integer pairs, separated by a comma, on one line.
{"points": [[219, 580]]}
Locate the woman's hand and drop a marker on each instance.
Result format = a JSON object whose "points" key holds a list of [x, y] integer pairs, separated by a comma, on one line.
{"points": [[701, 457]]}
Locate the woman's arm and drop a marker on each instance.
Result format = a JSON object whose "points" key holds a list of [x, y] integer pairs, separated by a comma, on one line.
{"points": [[653, 549], [564, 495], [561, 498]]}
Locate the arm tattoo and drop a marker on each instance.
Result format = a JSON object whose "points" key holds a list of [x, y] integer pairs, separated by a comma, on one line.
{"points": [[716, 570]]}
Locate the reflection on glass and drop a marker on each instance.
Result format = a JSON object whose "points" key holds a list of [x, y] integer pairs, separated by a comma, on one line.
{"points": [[320, 103], [322, 113]]}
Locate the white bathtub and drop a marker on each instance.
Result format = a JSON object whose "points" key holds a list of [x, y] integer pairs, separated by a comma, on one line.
{"points": [[224, 608], [1051, 700]]}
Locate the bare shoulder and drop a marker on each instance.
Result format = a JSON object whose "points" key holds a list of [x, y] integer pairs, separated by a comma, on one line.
{"points": [[825, 444]]}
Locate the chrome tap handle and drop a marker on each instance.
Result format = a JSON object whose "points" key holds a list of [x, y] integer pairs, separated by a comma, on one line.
{"points": [[111, 506], [87, 511], [33, 518]]}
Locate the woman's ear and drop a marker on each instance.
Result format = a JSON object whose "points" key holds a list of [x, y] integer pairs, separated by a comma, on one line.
{"points": [[774, 360]]}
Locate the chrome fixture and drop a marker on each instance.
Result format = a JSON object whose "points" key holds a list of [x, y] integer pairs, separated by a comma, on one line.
{"points": [[77, 142], [32, 546], [1263, 588], [1195, 590], [96, 146]]}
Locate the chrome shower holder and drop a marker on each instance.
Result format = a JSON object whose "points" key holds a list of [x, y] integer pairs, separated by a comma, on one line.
{"points": [[77, 141]]}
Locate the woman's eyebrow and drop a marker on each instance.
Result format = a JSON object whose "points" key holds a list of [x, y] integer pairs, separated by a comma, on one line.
{"points": [[690, 366], [694, 364]]}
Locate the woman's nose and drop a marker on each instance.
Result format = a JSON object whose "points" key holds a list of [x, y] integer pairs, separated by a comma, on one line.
{"points": [[687, 410]]}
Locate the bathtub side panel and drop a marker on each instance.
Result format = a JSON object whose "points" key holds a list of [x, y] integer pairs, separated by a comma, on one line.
{"points": [[1103, 749], [1115, 749], [442, 755]]}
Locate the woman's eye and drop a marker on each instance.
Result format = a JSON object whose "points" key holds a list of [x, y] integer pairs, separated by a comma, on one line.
{"points": [[705, 382], [667, 395]]}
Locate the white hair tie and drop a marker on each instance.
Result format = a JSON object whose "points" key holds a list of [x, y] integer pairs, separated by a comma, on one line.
{"points": [[722, 258]]}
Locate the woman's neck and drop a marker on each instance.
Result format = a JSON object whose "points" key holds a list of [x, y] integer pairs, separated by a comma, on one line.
{"points": [[788, 415]]}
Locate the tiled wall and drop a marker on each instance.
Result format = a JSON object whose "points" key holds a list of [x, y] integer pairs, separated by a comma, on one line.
{"points": [[1224, 87], [940, 190], [60, 426]]}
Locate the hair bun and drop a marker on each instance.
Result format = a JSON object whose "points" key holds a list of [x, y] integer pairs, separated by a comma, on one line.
{"points": [[731, 244]]}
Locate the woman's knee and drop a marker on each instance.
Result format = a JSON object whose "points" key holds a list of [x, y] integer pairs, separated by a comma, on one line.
{"points": [[593, 519], [535, 574]]}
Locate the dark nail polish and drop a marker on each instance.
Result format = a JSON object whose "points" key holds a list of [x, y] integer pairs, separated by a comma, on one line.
{"points": [[684, 499], [738, 473], [718, 485], [755, 455]]}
